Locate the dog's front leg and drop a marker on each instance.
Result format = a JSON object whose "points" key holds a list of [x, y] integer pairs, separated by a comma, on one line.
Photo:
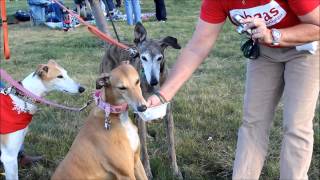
{"points": [[143, 141], [139, 172], [169, 124], [10, 146], [10, 166]]}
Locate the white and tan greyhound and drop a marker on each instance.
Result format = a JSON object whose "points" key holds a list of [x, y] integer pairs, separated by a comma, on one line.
{"points": [[108, 146], [16, 110]]}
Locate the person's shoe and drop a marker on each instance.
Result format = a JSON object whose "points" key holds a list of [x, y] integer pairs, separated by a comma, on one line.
{"points": [[26, 160]]}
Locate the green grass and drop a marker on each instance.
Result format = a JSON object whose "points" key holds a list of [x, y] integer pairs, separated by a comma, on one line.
{"points": [[209, 105]]}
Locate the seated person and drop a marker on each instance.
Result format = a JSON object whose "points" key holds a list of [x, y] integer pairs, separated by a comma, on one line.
{"points": [[54, 12], [83, 9], [37, 11]]}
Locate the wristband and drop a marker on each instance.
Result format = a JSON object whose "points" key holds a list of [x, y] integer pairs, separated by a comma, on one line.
{"points": [[161, 97]]}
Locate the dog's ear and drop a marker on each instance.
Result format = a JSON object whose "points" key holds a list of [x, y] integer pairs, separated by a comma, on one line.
{"points": [[140, 33], [41, 70], [51, 61], [103, 81], [169, 41]]}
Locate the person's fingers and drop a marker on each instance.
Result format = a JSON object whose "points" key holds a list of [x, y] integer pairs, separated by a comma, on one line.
{"points": [[254, 23], [258, 35], [246, 20], [153, 101], [257, 30]]}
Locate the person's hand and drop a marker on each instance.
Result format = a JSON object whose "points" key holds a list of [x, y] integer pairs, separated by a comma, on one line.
{"points": [[153, 101], [259, 29]]}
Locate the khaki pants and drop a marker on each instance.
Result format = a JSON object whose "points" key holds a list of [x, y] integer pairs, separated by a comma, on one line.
{"points": [[277, 72]]}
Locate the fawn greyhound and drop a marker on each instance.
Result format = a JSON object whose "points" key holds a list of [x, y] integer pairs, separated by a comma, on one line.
{"points": [[151, 65], [16, 110], [107, 146]]}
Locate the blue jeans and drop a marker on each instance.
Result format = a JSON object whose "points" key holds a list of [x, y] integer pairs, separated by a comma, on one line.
{"points": [[109, 5], [133, 8]]}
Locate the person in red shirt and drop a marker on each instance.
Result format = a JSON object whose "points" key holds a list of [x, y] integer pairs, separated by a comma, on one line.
{"points": [[288, 33]]}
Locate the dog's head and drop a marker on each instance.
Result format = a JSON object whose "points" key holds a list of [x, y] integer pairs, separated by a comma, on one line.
{"points": [[122, 85], [54, 77], [152, 53]]}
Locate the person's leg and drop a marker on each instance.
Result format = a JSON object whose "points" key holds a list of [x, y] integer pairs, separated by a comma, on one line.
{"points": [[88, 6], [264, 86], [84, 11], [161, 12], [156, 2], [118, 3], [78, 9], [136, 11], [128, 7], [300, 96], [103, 7], [110, 6]]}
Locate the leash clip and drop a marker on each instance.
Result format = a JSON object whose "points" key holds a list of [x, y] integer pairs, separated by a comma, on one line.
{"points": [[107, 123], [86, 105], [133, 52], [6, 91]]}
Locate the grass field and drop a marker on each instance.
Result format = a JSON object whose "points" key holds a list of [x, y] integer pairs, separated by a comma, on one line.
{"points": [[209, 105]]}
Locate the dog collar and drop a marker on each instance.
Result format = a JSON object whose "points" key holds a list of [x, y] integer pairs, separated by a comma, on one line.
{"points": [[14, 91], [108, 108]]}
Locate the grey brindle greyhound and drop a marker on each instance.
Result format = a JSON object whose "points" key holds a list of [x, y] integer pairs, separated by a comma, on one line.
{"points": [[150, 62]]}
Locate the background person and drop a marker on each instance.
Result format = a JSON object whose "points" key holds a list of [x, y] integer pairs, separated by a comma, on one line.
{"points": [[161, 12], [281, 69], [83, 9], [38, 11], [118, 3], [133, 11]]}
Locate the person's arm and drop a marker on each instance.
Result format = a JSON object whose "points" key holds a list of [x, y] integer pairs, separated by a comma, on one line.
{"points": [[190, 58], [307, 31]]}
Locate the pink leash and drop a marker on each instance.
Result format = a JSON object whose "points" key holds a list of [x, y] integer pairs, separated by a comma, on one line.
{"points": [[4, 75]]}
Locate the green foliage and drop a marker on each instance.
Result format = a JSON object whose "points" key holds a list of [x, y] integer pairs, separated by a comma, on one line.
{"points": [[209, 105]]}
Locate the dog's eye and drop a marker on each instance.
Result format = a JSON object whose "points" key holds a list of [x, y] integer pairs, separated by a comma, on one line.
{"points": [[159, 58], [122, 88], [144, 58], [60, 76]]}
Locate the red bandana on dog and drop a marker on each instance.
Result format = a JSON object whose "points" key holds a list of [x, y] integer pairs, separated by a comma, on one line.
{"points": [[10, 119]]}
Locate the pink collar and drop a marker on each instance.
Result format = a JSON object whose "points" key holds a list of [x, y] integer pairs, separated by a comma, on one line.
{"points": [[108, 108]]}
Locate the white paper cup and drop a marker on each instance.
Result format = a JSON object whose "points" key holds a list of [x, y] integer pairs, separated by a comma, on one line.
{"points": [[153, 113]]}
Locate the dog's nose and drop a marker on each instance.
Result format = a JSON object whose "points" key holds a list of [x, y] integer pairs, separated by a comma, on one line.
{"points": [[153, 81], [81, 89], [142, 108]]}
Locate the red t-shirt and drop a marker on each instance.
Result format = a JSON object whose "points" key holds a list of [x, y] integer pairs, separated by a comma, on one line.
{"points": [[10, 119], [276, 13]]}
